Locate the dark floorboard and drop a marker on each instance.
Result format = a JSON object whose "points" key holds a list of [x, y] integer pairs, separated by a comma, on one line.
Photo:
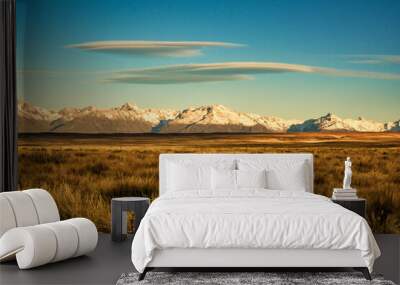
{"points": [[110, 260], [103, 266], [389, 262]]}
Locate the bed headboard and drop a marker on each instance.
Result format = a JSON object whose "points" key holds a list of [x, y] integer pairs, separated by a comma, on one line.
{"points": [[210, 157]]}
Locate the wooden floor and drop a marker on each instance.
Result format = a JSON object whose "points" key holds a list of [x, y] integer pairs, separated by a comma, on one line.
{"points": [[110, 260]]}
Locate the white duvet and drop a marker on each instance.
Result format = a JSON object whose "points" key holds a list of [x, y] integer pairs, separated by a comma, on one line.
{"points": [[250, 219]]}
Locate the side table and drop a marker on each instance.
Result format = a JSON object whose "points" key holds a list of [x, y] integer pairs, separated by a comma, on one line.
{"points": [[357, 205], [119, 209]]}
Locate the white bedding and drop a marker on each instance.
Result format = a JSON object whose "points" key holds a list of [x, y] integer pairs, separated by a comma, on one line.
{"points": [[250, 218]]}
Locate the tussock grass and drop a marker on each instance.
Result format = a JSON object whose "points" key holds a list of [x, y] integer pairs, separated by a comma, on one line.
{"points": [[83, 175]]}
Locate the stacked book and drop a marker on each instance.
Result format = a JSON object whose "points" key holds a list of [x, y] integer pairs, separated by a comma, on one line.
{"points": [[344, 194]]}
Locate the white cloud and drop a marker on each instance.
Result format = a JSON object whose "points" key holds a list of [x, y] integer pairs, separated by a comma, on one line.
{"points": [[152, 48], [231, 71], [357, 73], [374, 59]]}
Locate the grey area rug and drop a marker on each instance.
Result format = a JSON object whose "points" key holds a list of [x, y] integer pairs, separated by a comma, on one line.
{"points": [[228, 278]]}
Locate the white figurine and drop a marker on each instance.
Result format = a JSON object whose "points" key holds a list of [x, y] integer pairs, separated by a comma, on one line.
{"points": [[347, 174]]}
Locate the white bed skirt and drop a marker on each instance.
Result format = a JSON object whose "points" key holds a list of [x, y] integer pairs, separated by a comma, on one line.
{"points": [[189, 257]]}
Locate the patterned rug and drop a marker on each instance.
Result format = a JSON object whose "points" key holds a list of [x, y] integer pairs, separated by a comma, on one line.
{"points": [[244, 278]]}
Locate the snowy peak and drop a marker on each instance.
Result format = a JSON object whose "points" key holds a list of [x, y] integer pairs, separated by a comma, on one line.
{"points": [[34, 119], [129, 118], [393, 126], [128, 107], [213, 114], [36, 113], [219, 118], [331, 122]]}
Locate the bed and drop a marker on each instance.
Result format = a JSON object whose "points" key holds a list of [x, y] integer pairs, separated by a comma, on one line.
{"points": [[245, 211]]}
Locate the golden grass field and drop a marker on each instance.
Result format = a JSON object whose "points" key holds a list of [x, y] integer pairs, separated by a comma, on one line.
{"points": [[84, 172]]}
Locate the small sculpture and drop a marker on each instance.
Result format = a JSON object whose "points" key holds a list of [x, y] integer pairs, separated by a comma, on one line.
{"points": [[347, 174]]}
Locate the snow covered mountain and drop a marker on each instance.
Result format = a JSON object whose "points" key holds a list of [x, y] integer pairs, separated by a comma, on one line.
{"points": [[34, 119], [218, 118], [393, 126], [129, 118], [331, 122]]}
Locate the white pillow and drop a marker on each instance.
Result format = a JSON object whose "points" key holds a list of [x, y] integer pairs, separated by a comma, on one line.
{"points": [[223, 179], [180, 171], [282, 174], [292, 179], [251, 178], [181, 177]]}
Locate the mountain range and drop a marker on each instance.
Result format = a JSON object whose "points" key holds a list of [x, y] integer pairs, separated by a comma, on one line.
{"points": [[129, 118]]}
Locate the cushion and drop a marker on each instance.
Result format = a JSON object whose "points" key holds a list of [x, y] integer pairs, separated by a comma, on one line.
{"points": [[251, 178], [46, 207], [223, 179], [67, 239], [282, 174], [193, 174], [87, 233], [181, 178], [23, 208], [7, 220]]}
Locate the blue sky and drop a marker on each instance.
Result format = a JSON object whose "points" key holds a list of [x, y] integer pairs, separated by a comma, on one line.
{"points": [[292, 59]]}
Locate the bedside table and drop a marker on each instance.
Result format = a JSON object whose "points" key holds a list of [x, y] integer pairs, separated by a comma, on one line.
{"points": [[357, 205], [119, 208]]}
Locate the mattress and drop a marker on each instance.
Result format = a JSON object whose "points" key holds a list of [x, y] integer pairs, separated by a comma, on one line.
{"points": [[250, 219]]}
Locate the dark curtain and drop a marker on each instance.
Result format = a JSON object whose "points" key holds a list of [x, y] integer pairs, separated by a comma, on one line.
{"points": [[8, 98]]}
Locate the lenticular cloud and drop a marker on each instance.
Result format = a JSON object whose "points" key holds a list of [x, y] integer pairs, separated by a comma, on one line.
{"points": [[152, 48], [231, 71]]}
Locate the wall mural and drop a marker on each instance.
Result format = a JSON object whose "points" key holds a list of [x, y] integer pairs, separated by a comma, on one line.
{"points": [[105, 86]]}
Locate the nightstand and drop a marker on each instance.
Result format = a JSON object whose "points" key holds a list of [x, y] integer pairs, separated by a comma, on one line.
{"points": [[119, 208], [357, 205]]}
